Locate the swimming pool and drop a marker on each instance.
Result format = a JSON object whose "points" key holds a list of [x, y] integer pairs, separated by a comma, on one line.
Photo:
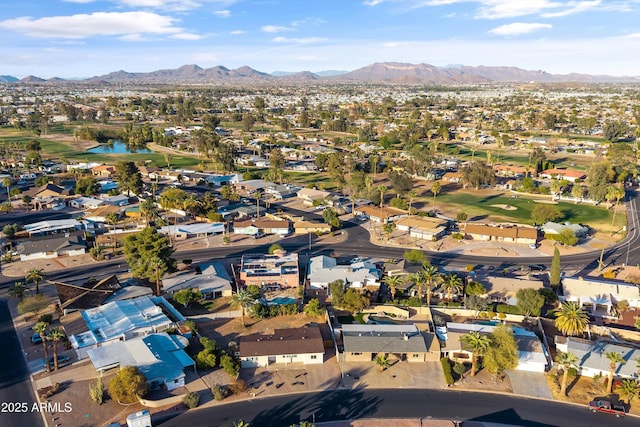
{"points": [[281, 301], [384, 320]]}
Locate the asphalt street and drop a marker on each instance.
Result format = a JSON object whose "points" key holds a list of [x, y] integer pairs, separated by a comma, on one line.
{"points": [[283, 411]]}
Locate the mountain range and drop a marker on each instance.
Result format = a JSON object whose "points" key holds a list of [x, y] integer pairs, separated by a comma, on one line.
{"points": [[382, 72]]}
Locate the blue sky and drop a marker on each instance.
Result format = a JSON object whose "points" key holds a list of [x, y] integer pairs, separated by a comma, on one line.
{"points": [[84, 38]]}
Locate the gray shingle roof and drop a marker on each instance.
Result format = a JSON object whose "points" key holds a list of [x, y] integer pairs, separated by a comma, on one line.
{"points": [[384, 339], [592, 355]]}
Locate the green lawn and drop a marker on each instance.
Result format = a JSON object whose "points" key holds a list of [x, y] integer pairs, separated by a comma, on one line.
{"points": [[479, 206]]}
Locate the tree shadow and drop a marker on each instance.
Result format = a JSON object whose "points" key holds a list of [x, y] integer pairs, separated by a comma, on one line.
{"points": [[508, 416]]}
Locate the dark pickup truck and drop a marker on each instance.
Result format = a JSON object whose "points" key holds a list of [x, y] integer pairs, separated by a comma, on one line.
{"points": [[607, 407]]}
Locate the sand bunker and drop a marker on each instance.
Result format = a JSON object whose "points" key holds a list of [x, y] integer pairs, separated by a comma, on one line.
{"points": [[505, 207], [546, 202]]}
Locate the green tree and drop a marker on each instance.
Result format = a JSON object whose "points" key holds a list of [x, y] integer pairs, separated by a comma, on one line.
{"points": [[6, 183], [55, 335], [149, 210], [530, 301], [542, 213], [87, 186], [35, 275], [477, 344], [41, 328], [393, 282], [613, 130], [628, 389], [554, 274], [18, 290], [336, 290], [331, 217], [435, 190], [474, 288], [451, 284], [148, 254], [274, 248], [477, 174], [353, 301], [615, 359], [382, 362], [314, 308], [428, 275], [242, 299], [566, 236], [128, 385], [10, 230], [414, 256], [381, 189], [187, 296], [128, 177], [571, 319], [502, 353], [568, 361], [96, 391]]}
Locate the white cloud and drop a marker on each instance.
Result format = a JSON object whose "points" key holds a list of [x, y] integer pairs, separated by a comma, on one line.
{"points": [[78, 1], [238, 32], [96, 24], [373, 2], [187, 36], [274, 29], [222, 13], [308, 21], [306, 40], [518, 28], [578, 7]]}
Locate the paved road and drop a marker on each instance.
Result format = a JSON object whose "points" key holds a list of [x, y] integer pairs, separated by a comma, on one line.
{"points": [[283, 411], [15, 387]]}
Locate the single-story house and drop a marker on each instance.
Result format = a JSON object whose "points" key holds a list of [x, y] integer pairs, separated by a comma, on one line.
{"points": [[310, 195], [185, 231], [305, 227], [599, 296], [568, 174], [292, 345], [382, 215], [279, 269], [121, 321], [266, 226], [362, 343], [53, 226], [592, 360], [159, 357], [51, 247], [427, 228], [580, 231], [502, 233], [531, 352], [361, 275], [502, 289], [212, 279], [86, 203], [103, 171]]}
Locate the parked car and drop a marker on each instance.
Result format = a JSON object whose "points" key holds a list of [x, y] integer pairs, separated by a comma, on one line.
{"points": [[537, 267], [607, 407], [37, 339], [62, 358]]}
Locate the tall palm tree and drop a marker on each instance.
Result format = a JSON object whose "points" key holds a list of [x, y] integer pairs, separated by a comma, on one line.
{"points": [[567, 360], [241, 423], [41, 328], [615, 193], [451, 284], [112, 219], [571, 319], [35, 275], [435, 189], [393, 282], [17, 290], [382, 189], [615, 358], [432, 277], [55, 335], [6, 183], [411, 195], [149, 210], [628, 389], [257, 195], [477, 344], [242, 299]]}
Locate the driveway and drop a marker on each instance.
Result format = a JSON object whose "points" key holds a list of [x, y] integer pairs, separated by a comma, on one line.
{"points": [[531, 384]]}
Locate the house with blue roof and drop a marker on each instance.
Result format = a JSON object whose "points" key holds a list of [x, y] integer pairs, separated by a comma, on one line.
{"points": [[159, 357]]}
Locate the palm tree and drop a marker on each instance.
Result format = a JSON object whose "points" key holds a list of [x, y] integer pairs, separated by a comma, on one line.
{"points": [[35, 275], [157, 264], [393, 282], [568, 361], [435, 189], [616, 193], [17, 290], [6, 182], [382, 361], [112, 219], [615, 358], [451, 284], [628, 389], [241, 423], [571, 319], [411, 195], [476, 343], [431, 277], [55, 335], [242, 299], [149, 210], [41, 328], [381, 189], [257, 196]]}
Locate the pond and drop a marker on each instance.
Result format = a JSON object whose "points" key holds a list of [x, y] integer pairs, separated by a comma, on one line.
{"points": [[116, 147]]}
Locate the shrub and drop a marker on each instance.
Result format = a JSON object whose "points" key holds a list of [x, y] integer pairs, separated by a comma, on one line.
{"points": [[457, 236], [128, 385], [238, 386], [191, 400], [206, 359], [573, 372], [459, 369], [446, 369], [187, 261], [192, 326], [219, 392], [96, 391], [611, 274], [46, 318], [229, 365], [508, 309]]}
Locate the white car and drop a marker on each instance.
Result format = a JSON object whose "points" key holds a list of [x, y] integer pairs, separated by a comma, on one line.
{"points": [[533, 246]]}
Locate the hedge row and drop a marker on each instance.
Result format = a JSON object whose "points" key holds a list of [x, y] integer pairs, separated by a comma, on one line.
{"points": [[508, 309], [446, 368]]}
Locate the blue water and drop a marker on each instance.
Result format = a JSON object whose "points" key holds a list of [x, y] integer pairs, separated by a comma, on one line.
{"points": [[118, 147], [487, 322], [281, 301], [384, 320], [516, 329]]}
